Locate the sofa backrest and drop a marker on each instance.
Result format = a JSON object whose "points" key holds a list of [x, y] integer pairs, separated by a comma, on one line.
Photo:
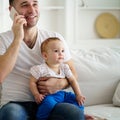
{"points": [[98, 73]]}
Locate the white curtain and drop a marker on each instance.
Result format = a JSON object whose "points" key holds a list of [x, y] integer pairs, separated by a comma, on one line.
{"points": [[5, 21]]}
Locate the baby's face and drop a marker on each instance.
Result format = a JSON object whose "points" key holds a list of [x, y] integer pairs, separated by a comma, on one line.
{"points": [[55, 52]]}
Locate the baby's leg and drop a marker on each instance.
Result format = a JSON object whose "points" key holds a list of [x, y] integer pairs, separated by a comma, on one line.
{"points": [[45, 108], [71, 98]]}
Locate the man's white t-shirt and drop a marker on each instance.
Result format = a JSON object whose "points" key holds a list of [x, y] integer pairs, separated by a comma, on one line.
{"points": [[16, 85]]}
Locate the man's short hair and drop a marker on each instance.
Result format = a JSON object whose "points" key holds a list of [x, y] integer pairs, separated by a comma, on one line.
{"points": [[11, 2]]}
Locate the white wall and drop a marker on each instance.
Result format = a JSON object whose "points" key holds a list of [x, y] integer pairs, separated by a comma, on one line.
{"points": [[80, 34], [5, 21], [86, 24]]}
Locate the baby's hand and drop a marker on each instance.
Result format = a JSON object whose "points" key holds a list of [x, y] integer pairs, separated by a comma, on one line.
{"points": [[39, 98], [80, 99]]}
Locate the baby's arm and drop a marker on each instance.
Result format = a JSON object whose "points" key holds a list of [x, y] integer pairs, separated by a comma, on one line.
{"points": [[75, 86], [33, 87]]}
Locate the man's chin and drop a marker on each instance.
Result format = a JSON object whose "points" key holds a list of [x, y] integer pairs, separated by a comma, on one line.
{"points": [[30, 25]]}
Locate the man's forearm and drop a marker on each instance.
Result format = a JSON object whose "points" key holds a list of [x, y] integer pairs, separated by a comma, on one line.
{"points": [[8, 60], [64, 83]]}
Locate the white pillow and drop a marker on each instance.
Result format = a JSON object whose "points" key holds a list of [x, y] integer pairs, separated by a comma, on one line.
{"points": [[116, 97]]}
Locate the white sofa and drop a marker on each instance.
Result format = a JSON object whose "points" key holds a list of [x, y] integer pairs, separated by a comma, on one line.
{"points": [[98, 76]]}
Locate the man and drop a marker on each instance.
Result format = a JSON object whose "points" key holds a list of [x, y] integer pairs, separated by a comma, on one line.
{"points": [[19, 50]]}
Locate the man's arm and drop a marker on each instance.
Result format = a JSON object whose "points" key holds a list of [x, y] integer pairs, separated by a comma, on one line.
{"points": [[8, 59], [72, 67], [51, 85]]}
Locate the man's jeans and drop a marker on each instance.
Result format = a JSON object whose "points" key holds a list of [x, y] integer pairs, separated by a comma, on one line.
{"points": [[27, 111]]}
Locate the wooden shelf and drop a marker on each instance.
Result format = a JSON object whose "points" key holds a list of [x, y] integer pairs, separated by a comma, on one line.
{"points": [[52, 8], [98, 8]]}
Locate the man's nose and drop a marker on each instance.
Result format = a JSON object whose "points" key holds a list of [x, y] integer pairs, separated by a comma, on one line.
{"points": [[31, 9]]}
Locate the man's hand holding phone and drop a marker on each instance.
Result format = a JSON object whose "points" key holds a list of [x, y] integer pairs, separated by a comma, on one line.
{"points": [[12, 13], [19, 22]]}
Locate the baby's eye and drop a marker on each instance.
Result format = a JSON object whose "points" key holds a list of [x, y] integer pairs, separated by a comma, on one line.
{"points": [[55, 50], [63, 50]]}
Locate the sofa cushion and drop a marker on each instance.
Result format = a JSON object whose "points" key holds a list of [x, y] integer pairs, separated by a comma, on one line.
{"points": [[98, 73], [116, 97], [105, 111]]}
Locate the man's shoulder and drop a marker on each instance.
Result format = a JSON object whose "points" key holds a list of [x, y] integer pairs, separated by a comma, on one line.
{"points": [[6, 34], [6, 37], [47, 33], [42, 30]]}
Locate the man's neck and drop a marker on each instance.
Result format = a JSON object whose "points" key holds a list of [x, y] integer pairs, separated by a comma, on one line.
{"points": [[30, 36]]}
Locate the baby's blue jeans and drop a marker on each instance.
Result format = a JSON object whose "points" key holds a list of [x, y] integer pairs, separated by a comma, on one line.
{"points": [[50, 101]]}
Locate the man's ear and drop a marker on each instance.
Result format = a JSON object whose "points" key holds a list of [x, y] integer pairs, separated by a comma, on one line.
{"points": [[10, 8], [44, 54]]}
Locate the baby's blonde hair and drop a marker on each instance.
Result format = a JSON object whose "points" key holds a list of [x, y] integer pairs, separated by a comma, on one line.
{"points": [[46, 42]]}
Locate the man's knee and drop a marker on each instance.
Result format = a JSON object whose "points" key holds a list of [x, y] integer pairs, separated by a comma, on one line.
{"points": [[13, 111], [67, 112]]}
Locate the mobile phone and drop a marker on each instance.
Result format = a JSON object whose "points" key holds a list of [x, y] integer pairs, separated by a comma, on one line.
{"points": [[12, 13]]}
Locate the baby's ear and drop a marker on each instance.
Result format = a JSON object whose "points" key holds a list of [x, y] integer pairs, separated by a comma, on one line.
{"points": [[44, 55]]}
